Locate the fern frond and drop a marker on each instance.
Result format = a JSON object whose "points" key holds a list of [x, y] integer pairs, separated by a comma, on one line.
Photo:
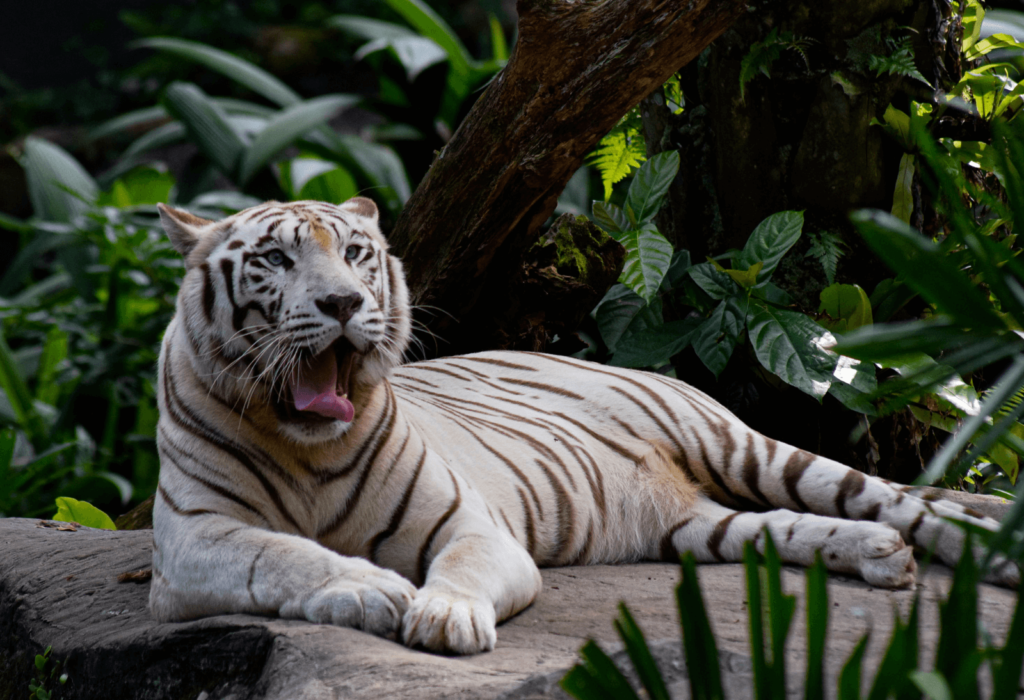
{"points": [[762, 55], [827, 248], [899, 62], [617, 155]]}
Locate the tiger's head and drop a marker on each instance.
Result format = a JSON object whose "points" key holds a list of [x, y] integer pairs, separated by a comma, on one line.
{"points": [[298, 307]]}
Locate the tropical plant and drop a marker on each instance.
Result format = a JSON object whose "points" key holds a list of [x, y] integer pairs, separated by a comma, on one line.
{"points": [[82, 308], [958, 662]]}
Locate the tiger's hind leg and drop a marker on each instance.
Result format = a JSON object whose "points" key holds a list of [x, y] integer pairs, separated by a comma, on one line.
{"points": [[874, 551]]}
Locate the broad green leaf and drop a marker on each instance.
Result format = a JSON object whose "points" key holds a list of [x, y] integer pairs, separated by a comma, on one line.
{"points": [[428, 23], [896, 123], [55, 351], [13, 383], [415, 53], [654, 345], [335, 186], [288, 125], [648, 255], [791, 345], [847, 307], [231, 66], [712, 280], [973, 16], [382, 166], [207, 124], [367, 28], [610, 217], [991, 43], [903, 194], [58, 186], [70, 510], [127, 122], [141, 185], [716, 338], [769, 242], [616, 311], [923, 266], [650, 185], [678, 270], [640, 654], [157, 138]]}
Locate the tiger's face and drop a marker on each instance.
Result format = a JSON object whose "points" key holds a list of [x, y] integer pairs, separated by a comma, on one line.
{"points": [[298, 306]]}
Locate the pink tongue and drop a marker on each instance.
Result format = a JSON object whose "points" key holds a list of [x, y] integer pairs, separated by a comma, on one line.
{"points": [[315, 389]]}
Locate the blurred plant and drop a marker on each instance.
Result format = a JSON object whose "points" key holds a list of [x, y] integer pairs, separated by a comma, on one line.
{"points": [[958, 661], [239, 139], [430, 42], [82, 309]]}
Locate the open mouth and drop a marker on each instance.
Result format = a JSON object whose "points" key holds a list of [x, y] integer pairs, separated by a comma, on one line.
{"points": [[321, 385]]}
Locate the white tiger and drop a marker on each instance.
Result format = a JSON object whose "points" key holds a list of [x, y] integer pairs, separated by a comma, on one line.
{"points": [[305, 474]]}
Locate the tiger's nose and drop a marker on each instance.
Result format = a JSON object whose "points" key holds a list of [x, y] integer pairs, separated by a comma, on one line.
{"points": [[340, 306]]}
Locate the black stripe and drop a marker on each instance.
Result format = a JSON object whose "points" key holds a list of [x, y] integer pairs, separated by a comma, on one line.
{"points": [[795, 467], [668, 551], [386, 415], [209, 293], [752, 471], [500, 363], [531, 530], [176, 407], [543, 387], [399, 512], [718, 534], [851, 486], [178, 510], [421, 568]]}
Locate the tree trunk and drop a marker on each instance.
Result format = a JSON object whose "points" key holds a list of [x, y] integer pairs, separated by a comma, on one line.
{"points": [[576, 69]]}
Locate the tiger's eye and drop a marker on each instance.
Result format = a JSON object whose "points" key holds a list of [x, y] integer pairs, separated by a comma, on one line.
{"points": [[275, 257], [352, 252]]}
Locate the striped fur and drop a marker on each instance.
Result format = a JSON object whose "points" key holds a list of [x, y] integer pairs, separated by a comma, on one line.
{"points": [[428, 514]]}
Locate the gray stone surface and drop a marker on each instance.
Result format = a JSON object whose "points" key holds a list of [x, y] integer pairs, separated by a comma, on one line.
{"points": [[60, 588]]}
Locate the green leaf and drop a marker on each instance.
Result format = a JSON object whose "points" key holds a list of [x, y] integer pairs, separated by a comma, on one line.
{"points": [[13, 384], [769, 242], [334, 186], [790, 345], [699, 646], [755, 616], [233, 67], [618, 310], [847, 307], [973, 17], [610, 217], [1006, 675], [141, 185], [288, 125], [716, 338], [924, 266], [933, 684], [849, 677], [653, 346], [648, 255], [745, 278], [899, 659], [648, 189], [903, 195], [70, 510], [600, 676], [58, 186], [639, 653], [780, 616], [429, 24], [55, 351], [958, 619], [207, 124], [713, 280], [367, 28], [415, 53], [616, 155], [499, 49], [896, 124], [817, 628], [991, 43]]}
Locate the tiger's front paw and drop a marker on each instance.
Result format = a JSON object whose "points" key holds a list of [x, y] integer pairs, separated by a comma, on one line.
{"points": [[373, 600], [885, 560], [440, 621]]}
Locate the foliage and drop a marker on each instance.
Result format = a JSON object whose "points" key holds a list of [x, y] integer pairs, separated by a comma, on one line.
{"points": [[762, 54], [82, 308], [45, 675], [620, 152], [70, 510], [959, 659]]}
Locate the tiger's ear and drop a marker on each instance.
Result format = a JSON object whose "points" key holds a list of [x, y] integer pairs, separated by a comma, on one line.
{"points": [[182, 228], [361, 206]]}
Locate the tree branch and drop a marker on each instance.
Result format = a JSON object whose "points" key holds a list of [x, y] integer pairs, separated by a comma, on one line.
{"points": [[578, 66]]}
